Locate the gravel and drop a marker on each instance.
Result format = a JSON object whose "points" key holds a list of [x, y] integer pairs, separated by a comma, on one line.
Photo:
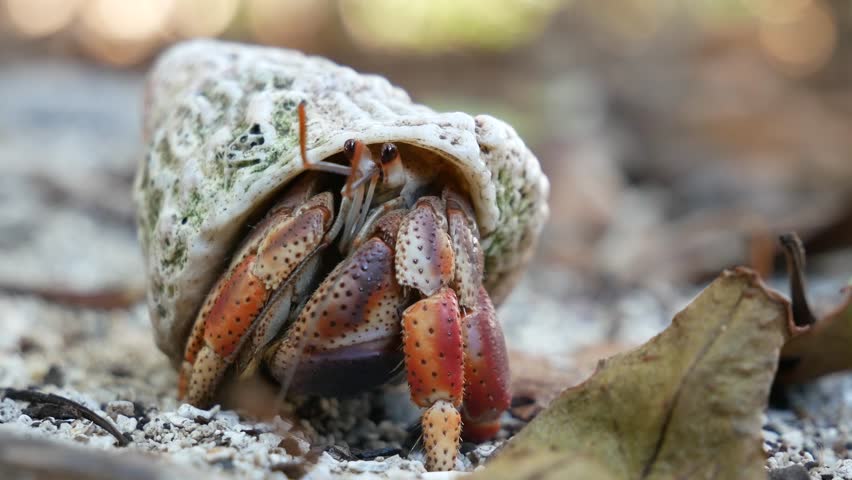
{"points": [[106, 360]]}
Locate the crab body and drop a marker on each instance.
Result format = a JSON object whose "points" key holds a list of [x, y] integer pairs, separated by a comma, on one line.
{"points": [[314, 247]]}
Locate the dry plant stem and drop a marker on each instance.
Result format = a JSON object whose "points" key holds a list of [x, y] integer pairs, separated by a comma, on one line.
{"points": [[795, 253], [80, 410], [105, 299]]}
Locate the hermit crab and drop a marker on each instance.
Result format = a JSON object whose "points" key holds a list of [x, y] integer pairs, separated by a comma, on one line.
{"points": [[313, 223]]}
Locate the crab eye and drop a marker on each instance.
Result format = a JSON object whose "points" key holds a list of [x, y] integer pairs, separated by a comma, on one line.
{"points": [[349, 148], [389, 152]]}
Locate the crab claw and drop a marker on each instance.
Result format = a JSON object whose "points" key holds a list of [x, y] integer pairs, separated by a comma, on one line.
{"points": [[434, 359], [342, 340], [434, 355], [424, 252], [486, 374], [449, 358], [269, 261]]}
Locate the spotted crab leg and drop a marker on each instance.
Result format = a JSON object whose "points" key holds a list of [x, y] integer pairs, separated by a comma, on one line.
{"points": [[434, 360], [486, 372], [346, 337], [265, 264], [450, 359], [486, 393], [432, 335]]}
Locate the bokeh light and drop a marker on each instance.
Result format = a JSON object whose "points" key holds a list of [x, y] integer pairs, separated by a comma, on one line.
{"points": [[203, 18], [804, 43], [435, 25], [631, 23], [124, 33], [798, 36], [288, 23], [720, 17], [123, 20], [38, 18], [776, 11]]}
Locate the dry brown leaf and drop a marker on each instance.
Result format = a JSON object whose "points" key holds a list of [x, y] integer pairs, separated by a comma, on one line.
{"points": [[823, 348], [687, 404], [820, 346]]}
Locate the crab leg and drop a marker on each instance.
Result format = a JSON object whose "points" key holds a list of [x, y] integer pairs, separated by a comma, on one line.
{"points": [[448, 358], [467, 278], [265, 263], [486, 372], [346, 337], [486, 393], [276, 313], [434, 360], [432, 335]]}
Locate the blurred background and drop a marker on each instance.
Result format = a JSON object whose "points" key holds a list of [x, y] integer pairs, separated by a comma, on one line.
{"points": [[680, 136]]}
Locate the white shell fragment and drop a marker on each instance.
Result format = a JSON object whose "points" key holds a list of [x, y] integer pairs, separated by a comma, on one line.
{"points": [[222, 134]]}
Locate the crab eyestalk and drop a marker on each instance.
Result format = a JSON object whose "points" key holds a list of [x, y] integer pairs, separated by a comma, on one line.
{"points": [[362, 172]]}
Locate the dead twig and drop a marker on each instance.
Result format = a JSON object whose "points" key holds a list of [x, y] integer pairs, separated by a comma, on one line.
{"points": [[106, 299], [67, 406]]}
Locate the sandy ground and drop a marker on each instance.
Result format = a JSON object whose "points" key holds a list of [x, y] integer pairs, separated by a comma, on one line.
{"points": [[107, 361]]}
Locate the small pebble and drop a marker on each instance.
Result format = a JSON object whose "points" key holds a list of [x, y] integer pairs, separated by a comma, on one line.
{"points": [[218, 454], [793, 472], [9, 410], [192, 413], [126, 424], [119, 407]]}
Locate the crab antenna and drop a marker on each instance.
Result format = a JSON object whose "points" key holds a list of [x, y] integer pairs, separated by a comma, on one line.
{"points": [[321, 166], [303, 133], [365, 209], [351, 218], [366, 178], [356, 162]]}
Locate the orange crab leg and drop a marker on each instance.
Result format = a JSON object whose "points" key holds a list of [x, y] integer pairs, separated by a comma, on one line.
{"points": [[486, 365], [448, 358], [468, 255], [346, 337], [434, 360], [432, 335], [264, 264], [432, 341], [486, 393], [424, 254], [236, 301]]}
